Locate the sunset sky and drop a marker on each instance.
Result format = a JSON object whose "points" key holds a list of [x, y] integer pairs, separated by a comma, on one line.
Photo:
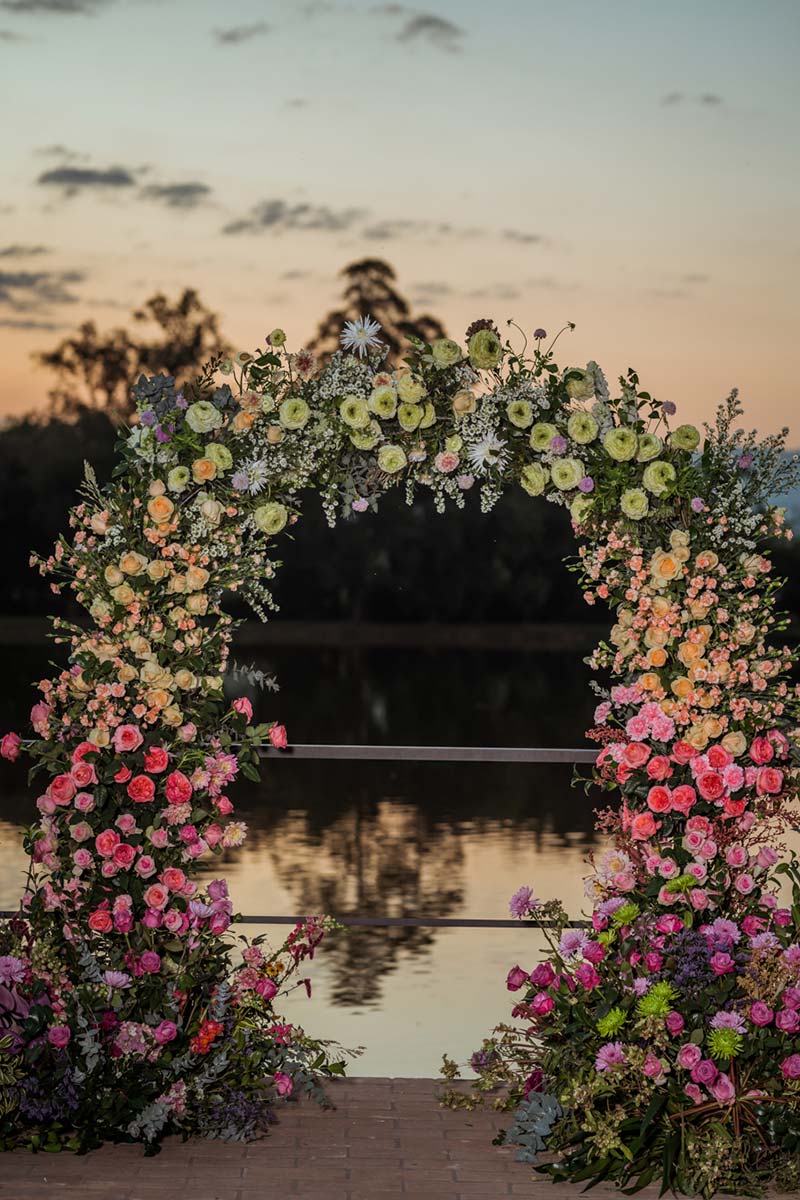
{"points": [[630, 165]]}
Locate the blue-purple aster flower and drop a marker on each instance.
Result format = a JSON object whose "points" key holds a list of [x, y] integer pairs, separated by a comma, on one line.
{"points": [[148, 417], [729, 1020], [669, 408], [539, 335], [522, 902]]}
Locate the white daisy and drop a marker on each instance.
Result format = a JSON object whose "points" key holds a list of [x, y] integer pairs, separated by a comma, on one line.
{"points": [[487, 454], [359, 336]]}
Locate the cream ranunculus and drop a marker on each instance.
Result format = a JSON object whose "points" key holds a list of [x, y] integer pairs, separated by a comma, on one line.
{"points": [[542, 435], [391, 459], [567, 473], [294, 413], [621, 443], [178, 479], [220, 455], [582, 428], [533, 478], [650, 446], [485, 349], [410, 388], [578, 384], [634, 504], [445, 352], [520, 413], [410, 416], [366, 439], [580, 508], [685, 437], [383, 402], [354, 412], [202, 416], [428, 416], [659, 477], [271, 518]]}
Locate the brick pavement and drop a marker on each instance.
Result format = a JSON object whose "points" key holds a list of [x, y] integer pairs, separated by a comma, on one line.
{"points": [[386, 1138]]}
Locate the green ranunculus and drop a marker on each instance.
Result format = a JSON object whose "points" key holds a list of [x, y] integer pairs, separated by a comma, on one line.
{"points": [[294, 413], [582, 428], [621, 443], [649, 447], [429, 417], [271, 518], [178, 479], [534, 478], [383, 402], [580, 508], [659, 477], [366, 439], [485, 349], [391, 458], [542, 435], [354, 412], [685, 437], [409, 416], [446, 352], [567, 473], [454, 443], [520, 413], [579, 384], [220, 455], [277, 337], [202, 416], [634, 504]]}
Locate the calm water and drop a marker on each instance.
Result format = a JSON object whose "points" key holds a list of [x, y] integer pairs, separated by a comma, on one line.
{"points": [[416, 839]]}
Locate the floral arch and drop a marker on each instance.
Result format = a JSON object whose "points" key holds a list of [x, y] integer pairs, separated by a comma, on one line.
{"points": [[663, 1040]]}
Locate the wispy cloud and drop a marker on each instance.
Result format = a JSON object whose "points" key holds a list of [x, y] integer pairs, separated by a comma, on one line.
{"points": [[178, 195], [28, 323], [437, 31], [37, 291], [706, 99], [62, 152], [71, 180], [520, 236], [6, 35], [59, 7], [281, 215], [18, 250], [237, 34]]}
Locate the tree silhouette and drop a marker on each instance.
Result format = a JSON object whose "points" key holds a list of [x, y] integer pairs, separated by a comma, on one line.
{"points": [[95, 370], [369, 290]]}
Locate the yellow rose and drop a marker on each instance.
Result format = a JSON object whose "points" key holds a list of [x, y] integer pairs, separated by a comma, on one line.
{"points": [[659, 606], [185, 679], [196, 578], [696, 737], [713, 726], [197, 603], [706, 560], [171, 716], [132, 563], [204, 469], [113, 575], [160, 509], [124, 594], [678, 539], [126, 673], [735, 743], [177, 585], [151, 672], [158, 698], [655, 637], [157, 570]]}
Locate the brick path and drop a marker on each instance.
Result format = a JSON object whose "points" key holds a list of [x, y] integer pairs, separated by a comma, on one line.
{"points": [[386, 1138]]}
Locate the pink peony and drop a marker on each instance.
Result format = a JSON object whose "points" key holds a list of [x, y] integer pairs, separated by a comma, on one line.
{"points": [[684, 798], [156, 760], [179, 789], [9, 746]]}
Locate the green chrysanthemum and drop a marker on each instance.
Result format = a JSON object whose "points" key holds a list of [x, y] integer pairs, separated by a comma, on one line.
{"points": [[625, 915], [681, 883], [611, 1023], [658, 1001], [724, 1044]]}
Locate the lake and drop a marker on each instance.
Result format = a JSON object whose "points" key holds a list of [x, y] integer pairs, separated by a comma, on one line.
{"points": [[392, 838]]}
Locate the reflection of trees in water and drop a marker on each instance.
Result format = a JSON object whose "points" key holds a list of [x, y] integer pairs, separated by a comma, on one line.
{"points": [[374, 859]]}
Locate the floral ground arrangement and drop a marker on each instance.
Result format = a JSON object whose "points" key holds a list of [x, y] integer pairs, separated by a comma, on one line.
{"points": [[661, 1042]]}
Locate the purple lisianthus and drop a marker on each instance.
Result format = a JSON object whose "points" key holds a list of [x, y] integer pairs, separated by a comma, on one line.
{"points": [[609, 1056], [558, 444], [148, 417], [117, 979], [586, 484], [522, 902], [698, 504]]}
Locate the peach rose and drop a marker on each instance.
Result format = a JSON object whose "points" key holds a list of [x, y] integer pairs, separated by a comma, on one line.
{"points": [[203, 470]]}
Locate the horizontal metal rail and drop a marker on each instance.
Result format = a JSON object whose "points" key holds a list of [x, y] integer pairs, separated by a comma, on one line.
{"points": [[394, 922], [496, 754]]}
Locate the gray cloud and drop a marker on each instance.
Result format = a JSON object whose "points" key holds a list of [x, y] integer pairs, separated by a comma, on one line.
{"points": [[27, 323], [437, 31], [297, 102], [36, 291], [524, 239], [280, 215], [71, 180], [708, 99], [60, 7], [62, 152], [178, 195], [240, 33], [19, 251], [7, 36]]}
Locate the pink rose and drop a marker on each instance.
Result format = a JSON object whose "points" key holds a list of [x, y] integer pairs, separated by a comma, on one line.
{"points": [[636, 754], [744, 884], [761, 751], [59, 1036], [9, 746], [267, 988], [124, 855], [145, 867], [173, 878], [682, 753], [82, 858], [643, 826], [710, 785], [722, 1089], [141, 789], [516, 978], [736, 856], [278, 738], [84, 802], [127, 738], [791, 1067], [542, 975], [769, 781], [153, 919], [689, 1056], [159, 838], [106, 842], [244, 708], [659, 768], [669, 923], [653, 1067], [62, 789], [123, 921], [587, 976], [125, 823], [83, 773], [542, 1004], [150, 962], [698, 898], [760, 1013], [722, 963], [694, 1093], [156, 896], [188, 732], [766, 857], [165, 1031], [179, 789], [684, 798], [100, 921], [40, 718], [675, 1023], [788, 1020], [283, 1084], [223, 806], [704, 1072], [658, 799], [156, 760], [173, 920]]}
